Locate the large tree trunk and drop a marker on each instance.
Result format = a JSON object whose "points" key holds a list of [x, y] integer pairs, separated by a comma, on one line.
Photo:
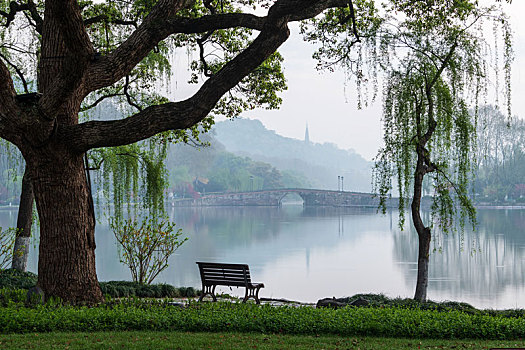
{"points": [[66, 266], [23, 225]]}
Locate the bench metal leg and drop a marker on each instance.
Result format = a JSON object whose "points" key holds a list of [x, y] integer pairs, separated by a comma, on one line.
{"points": [[256, 296], [250, 294], [208, 290]]}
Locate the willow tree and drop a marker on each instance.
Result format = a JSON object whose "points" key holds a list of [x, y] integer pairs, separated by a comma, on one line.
{"points": [[83, 51], [434, 57]]}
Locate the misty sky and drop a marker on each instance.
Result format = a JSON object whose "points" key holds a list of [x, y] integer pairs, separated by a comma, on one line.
{"points": [[328, 104]]}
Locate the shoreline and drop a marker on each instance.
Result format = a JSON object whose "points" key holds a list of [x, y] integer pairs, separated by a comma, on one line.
{"points": [[477, 206]]}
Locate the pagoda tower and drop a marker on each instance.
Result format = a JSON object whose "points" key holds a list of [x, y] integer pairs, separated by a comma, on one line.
{"points": [[306, 135]]}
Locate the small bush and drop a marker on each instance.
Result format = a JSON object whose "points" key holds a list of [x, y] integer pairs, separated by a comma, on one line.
{"points": [[188, 292], [121, 289], [10, 296], [380, 300], [15, 279], [146, 247], [169, 291]]}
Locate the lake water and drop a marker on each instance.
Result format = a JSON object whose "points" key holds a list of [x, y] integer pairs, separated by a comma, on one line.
{"points": [[310, 253]]}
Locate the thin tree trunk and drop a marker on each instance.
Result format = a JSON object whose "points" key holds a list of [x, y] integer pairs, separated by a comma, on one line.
{"points": [[66, 266], [424, 166], [23, 224], [422, 265], [423, 232]]}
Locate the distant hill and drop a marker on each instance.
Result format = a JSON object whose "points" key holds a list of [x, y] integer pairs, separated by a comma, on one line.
{"points": [[320, 163]]}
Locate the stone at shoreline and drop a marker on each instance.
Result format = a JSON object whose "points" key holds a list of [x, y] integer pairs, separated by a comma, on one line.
{"points": [[35, 295], [360, 302], [173, 303], [338, 303]]}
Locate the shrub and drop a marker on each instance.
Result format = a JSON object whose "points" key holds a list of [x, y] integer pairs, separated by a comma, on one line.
{"points": [[188, 292], [380, 300], [10, 296], [237, 317], [145, 248], [11, 278], [120, 289]]}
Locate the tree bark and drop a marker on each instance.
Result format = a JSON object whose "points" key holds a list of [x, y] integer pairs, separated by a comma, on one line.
{"points": [[423, 232], [66, 266], [422, 265], [23, 224]]}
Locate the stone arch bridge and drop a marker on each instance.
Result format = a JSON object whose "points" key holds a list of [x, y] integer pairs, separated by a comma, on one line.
{"points": [[311, 197]]}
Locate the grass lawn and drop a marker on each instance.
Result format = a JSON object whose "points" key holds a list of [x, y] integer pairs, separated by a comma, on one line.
{"points": [[187, 340]]}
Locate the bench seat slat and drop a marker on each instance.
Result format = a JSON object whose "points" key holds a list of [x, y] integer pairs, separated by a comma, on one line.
{"points": [[222, 266], [226, 277], [224, 273], [225, 283], [217, 268]]}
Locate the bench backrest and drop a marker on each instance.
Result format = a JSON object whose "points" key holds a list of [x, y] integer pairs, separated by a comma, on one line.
{"points": [[224, 274]]}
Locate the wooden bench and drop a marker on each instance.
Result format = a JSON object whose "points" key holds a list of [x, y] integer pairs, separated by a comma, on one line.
{"points": [[218, 274]]}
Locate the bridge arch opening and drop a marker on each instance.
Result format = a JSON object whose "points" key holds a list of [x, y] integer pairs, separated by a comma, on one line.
{"points": [[291, 198]]}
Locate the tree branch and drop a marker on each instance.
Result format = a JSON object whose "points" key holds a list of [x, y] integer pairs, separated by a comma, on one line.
{"points": [[450, 182], [116, 65], [64, 38], [162, 22], [8, 106], [113, 67], [209, 6], [35, 16], [200, 42], [18, 72], [444, 64], [100, 99], [432, 124], [181, 115], [104, 18], [7, 89], [351, 16], [184, 114], [128, 96], [14, 8]]}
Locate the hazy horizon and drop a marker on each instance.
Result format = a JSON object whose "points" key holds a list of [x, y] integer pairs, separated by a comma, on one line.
{"points": [[331, 111], [331, 108]]}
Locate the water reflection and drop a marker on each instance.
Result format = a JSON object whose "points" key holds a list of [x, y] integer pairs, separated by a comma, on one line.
{"points": [[311, 253], [484, 266]]}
